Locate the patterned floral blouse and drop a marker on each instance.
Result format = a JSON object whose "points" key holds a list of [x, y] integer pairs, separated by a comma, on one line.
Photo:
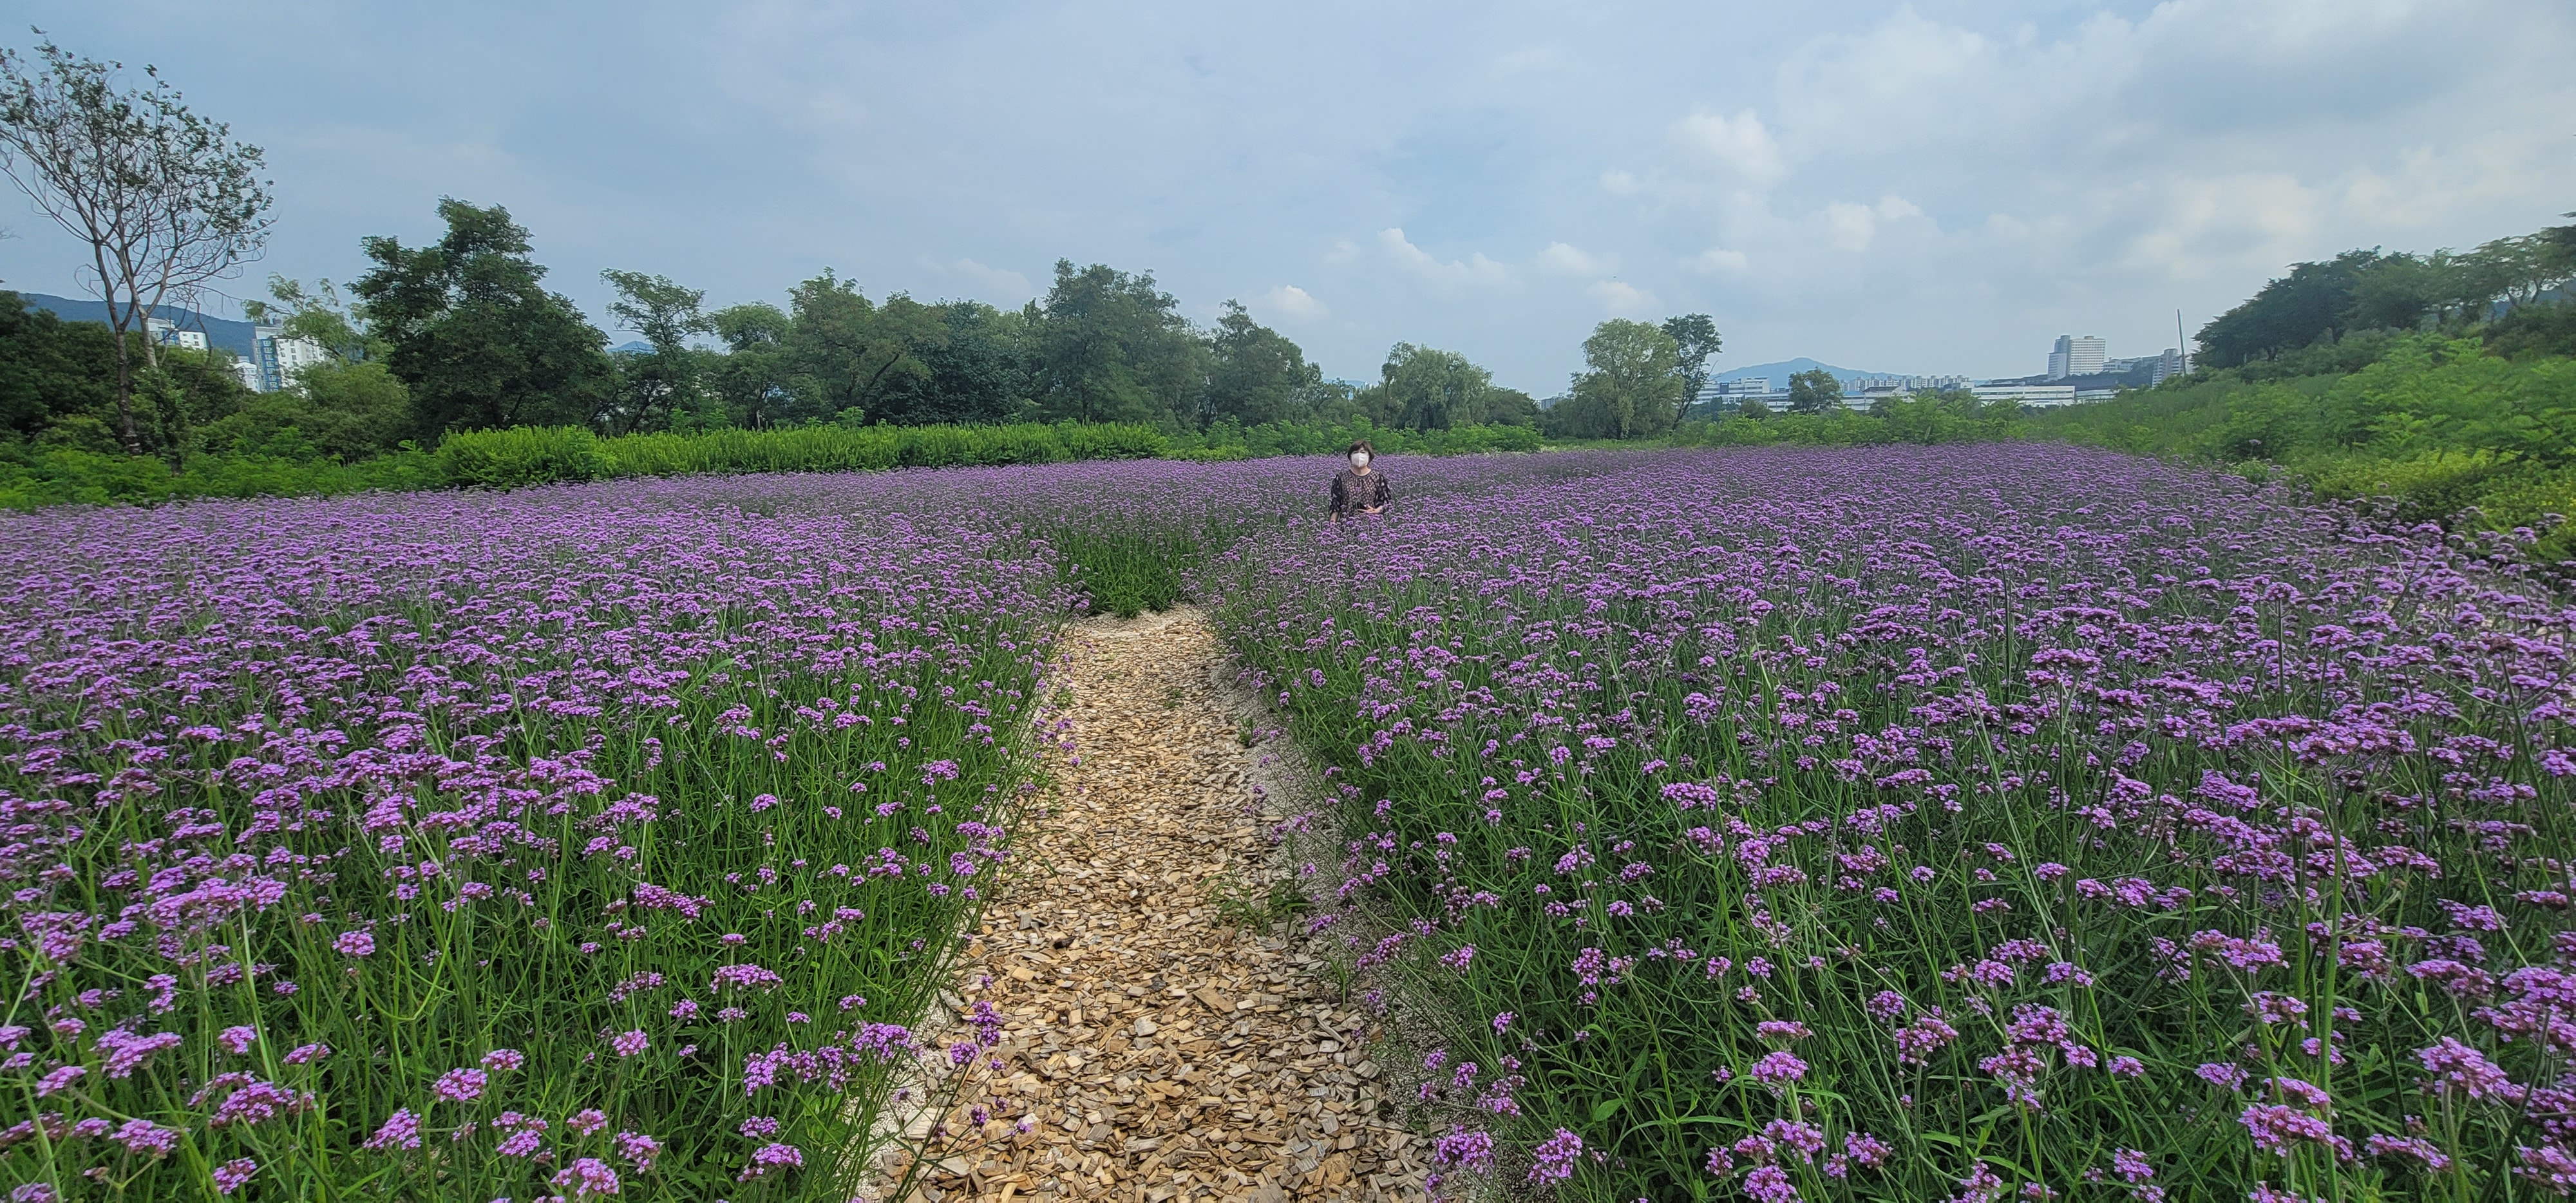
{"points": [[1353, 492]]}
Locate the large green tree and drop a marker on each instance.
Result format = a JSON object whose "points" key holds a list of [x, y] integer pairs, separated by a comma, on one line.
{"points": [[1695, 339], [474, 335], [1814, 391], [1107, 346], [844, 351], [2521, 268], [971, 370], [1631, 385], [754, 379], [1255, 374], [2315, 301], [51, 369], [655, 385], [1425, 388]]}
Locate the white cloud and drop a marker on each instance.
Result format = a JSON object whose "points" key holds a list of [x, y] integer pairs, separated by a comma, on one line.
{"points": [[1620, 183], [1474, 270], [1850, 227], [1717, 260], [1621, 299], [1739, 144], [999, 285], [1291, 303], [1564, 258], [2204, 223]]}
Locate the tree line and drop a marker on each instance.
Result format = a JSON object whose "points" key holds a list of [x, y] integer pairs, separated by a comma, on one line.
{"points": [[467, 326], [2452, 292], [462, 333]]}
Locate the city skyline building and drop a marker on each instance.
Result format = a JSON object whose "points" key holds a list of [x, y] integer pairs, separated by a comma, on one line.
{"points": [[167, 333], [2034, 395], [276, 356], [2171, 364], [2076, 355]]}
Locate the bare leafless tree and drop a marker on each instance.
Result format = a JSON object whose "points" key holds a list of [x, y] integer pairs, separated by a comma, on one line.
{"points": [[167, 201]]}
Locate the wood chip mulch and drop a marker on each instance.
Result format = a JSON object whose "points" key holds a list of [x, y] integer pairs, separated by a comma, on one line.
{"points": [[1158, 1044]]}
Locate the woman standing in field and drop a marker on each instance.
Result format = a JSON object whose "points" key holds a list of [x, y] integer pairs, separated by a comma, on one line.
{"points": [[1360, 489]]}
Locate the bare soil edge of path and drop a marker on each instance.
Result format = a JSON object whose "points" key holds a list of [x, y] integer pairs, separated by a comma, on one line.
{"points": [[1165, 1030]]}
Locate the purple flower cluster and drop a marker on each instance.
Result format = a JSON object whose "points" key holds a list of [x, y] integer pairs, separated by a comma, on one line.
{"points": [[2040, 779], [427, 776]]}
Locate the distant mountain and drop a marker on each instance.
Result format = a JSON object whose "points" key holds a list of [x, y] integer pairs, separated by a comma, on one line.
{"points": [[231, 335], [637, 347], [1778, 373]]}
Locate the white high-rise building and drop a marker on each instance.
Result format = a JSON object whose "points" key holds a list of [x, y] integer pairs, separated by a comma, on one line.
{"points": [[2077, 355], [2169, 365], [167, 333], [277, 356]]}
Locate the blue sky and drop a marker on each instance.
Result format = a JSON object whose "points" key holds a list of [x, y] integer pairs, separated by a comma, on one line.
{"points": [[1935, 187]]}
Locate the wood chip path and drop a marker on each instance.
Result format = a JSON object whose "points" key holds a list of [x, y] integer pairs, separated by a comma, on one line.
{"points": [[1161, 1052]]}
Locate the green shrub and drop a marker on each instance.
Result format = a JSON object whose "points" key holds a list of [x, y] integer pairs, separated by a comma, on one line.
{"points": [[1112, 440], [808, 449], [523, 456], [868, 448], [69, 475], [2534, 330], [40, 476], [268, 451], [1020, 443], [2427, 487]]}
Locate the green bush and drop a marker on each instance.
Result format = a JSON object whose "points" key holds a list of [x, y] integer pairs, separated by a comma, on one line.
{"points": [[523, 455], [73, 475], [40, 476], [2427, 487], [1112, 440], [814, 449], [268, 451], [347, 412], [869, 448], [2534, 330]]}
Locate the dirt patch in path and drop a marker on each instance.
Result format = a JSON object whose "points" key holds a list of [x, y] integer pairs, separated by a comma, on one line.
{"points": [[1161, 1039]]}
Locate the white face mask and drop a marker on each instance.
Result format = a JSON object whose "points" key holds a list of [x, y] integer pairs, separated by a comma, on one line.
{"points": [[1359, 459]]}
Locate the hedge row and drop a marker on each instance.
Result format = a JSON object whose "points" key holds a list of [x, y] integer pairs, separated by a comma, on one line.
{"points": [[524, 456]]}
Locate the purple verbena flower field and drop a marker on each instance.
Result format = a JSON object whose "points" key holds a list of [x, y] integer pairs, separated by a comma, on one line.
{"points": [[474, 846], [1973, 823], [1946, 823]]}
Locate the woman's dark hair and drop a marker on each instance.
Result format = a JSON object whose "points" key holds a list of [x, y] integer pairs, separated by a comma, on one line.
{"points": [[1359, 446]]}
